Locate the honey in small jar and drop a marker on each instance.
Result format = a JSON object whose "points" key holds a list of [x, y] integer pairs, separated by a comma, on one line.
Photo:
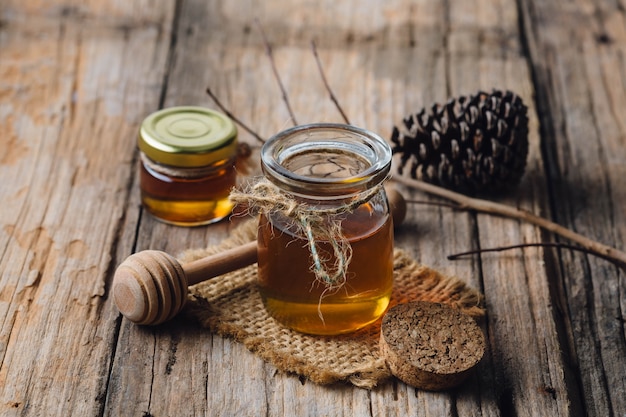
{"points": [[187, 165], [325, 253]]}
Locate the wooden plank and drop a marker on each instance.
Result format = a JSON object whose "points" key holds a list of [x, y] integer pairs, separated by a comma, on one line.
{"points": [[579, 67], [75, 83], [486, 53]]}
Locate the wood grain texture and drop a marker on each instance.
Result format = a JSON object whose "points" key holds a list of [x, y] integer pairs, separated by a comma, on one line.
{"points": [[77, 78], [74, 86], [579, 67]]}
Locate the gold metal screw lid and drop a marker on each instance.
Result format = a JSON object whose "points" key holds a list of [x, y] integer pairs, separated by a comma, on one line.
{"points": [[188, 136]]}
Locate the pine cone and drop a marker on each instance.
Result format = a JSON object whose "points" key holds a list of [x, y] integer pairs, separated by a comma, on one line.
{"points": [[473, 145]]}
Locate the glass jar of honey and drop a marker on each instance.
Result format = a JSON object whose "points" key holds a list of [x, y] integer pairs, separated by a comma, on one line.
{"points": [[187, 165], [325, 252]]}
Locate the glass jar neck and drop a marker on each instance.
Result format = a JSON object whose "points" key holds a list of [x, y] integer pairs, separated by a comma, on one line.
{"points": [[326, 161]]}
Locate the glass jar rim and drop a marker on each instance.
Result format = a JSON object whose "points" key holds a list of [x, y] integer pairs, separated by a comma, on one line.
{"points": [[303, 139]]}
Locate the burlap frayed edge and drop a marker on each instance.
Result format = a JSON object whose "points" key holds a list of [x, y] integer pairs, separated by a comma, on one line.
{"points": [[230, 306]]}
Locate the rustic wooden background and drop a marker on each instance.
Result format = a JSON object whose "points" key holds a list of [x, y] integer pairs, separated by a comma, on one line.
{"points": [[78, 77]]}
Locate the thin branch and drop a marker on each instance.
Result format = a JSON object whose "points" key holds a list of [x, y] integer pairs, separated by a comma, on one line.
{"points": [[232, 116], [330, 91], [529, 245], [484, 206], [270, 54]]}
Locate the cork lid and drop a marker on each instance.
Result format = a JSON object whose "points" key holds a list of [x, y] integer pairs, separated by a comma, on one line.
{"points": [[430, 346], [188, 136]]}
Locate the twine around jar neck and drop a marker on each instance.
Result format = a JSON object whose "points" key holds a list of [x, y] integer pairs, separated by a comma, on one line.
{"points": [[316, 224]]}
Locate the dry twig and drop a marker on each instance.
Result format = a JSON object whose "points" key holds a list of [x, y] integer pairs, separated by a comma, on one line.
{"points": [[232, 116], [557, 245], [330, 91], [270, 54], [485, 206]]}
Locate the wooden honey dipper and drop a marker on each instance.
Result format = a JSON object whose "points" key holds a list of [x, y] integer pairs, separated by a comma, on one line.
{"points": [[150, 287]]}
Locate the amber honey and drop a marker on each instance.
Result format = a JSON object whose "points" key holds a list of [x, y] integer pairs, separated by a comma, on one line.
{"points": [[188, 201], [293, 296]]}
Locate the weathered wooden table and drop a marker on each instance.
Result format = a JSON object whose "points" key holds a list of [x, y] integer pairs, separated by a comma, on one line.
{"points": [[78, 77]]}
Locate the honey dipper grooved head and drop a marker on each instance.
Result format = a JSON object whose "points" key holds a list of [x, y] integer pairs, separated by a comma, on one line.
{"points": [[149, 287]]}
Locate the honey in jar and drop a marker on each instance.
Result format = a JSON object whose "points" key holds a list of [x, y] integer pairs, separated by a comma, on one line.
{"points": [[334, 174], [187, 165]]}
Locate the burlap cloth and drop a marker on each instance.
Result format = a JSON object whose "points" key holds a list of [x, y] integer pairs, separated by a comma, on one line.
{"points": [[230, 306]]}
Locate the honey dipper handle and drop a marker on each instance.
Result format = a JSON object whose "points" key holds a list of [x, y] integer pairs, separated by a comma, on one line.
{"points": [[221, 263]]}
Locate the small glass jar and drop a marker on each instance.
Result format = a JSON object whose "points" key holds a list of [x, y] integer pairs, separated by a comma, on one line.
{"points": [[187, 165], [335, 172]]}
